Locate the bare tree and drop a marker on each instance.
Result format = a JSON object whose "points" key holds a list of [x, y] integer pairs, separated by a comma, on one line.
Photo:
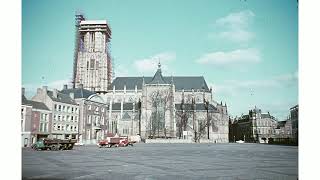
{"points": [[160, 101]]}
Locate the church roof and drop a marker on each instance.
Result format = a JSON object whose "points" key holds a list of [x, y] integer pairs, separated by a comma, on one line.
{"points": [[180, 82], [126, 106], [199, 106], [158, 78]]}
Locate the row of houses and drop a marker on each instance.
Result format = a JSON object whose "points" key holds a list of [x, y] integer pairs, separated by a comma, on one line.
{"points": [[74, 113], [259, 127]]}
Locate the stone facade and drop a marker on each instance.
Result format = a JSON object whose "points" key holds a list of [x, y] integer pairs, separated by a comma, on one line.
{"points": [[65, 113], [36, 120], [254, 127], [294, 117], [93, 63], [158, 115]]}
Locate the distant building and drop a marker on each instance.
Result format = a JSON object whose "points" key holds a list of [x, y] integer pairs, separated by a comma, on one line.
{"points": [[36, 120], [93, 114], [254, 127], [284, 129], [294, 117], [65, 112]]}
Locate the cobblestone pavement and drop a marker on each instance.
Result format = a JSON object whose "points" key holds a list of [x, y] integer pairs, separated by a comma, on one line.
{"points": [[164, 161]]}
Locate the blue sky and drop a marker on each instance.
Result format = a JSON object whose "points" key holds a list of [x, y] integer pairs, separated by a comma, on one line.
{"points": [[246, 50]]}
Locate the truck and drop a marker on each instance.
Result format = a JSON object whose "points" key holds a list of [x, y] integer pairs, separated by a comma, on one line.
{"points": [[115, 142], [54, 144]]}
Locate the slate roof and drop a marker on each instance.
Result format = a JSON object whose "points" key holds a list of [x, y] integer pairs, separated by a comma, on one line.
{"points": [[180, 82], [126, 106], [281, 124], [158, 78], [34, 104], [199, 106], [61, 98], [78, 92], [126, 116]]}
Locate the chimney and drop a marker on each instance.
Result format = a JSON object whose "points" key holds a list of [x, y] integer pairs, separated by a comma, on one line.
{"points": [[72, 95], [65, 86], [55, 93], [22, 91], [81, 86], [45, 88], [39, 90]]}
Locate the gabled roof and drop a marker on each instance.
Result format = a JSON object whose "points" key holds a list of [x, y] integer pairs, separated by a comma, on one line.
{"points": [[126, 116], [78, 92], [157, 78], [181, 82], [61, 98], [34, 104], [199, 106]]}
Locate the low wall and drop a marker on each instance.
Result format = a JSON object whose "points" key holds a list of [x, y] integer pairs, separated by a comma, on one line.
{"points": [[169, 141]]}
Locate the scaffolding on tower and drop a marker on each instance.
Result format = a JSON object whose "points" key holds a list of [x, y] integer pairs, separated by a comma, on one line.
{"points": [[79, 17], [109, 65]]}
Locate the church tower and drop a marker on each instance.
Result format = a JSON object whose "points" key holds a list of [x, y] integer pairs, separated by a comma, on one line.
{"points": [[92, 61]]}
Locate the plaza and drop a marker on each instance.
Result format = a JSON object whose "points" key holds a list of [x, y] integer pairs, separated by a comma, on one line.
{"points": [[164, 161]]}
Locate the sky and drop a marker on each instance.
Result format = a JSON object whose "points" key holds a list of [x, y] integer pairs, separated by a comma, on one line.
{"points": [[247, 50]]}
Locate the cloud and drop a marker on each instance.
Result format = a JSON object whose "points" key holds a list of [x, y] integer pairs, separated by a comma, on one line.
{"points": [[233, 87], [31, 89], [235, 27], [250, 55], [149, 65], [240, 19], [121, 71], [241, 95]]}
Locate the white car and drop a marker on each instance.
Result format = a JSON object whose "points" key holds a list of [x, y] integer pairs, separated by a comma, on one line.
{"points": [[78, 144], [240, 141]]}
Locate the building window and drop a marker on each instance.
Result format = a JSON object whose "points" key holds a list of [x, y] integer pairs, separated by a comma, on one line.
{"points": [[89, 107], [91, 63], [59, 118], [63, 108], [72, 110], [102, 120], [71, 118], [41, 127], [76, 119], [68, 127], [97, 108], [102, 109], [55, 107], [68, 109], [75, 128], [59, 107], [63, 118], [71, 128], [59, 127], [54, 126], [76, 110]]}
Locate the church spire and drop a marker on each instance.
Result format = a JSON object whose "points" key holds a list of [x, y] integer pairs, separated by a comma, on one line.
{"points": [[158, 78]]}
